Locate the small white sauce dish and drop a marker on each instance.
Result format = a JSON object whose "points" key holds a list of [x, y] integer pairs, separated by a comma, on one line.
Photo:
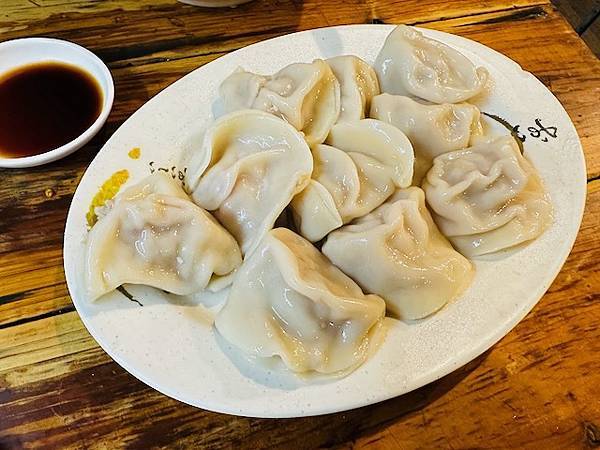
{"points": [[22, 52]]}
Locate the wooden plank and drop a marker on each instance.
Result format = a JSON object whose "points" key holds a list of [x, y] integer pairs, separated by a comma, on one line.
{"points": [[120, 19], [579, 13], [591, 37], [55, 383], [131, 27]]}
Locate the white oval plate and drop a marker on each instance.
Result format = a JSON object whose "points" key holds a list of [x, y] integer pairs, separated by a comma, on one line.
{"points": [[170, 344]]}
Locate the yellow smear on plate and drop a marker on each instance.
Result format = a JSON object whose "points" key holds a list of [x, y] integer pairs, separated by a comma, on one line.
{"points": [[107, 191], [134, 153]]}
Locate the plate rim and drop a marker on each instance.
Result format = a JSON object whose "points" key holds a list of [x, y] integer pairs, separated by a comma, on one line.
{"points": [[444, 369]]}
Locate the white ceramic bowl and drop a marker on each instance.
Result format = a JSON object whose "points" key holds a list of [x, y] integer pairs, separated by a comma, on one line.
{"points": [[21, 52]]}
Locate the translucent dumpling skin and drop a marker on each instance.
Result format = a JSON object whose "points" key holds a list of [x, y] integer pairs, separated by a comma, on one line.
{"points": [[306, 95], [411, 64], [247, 170], [398, 253], [487, 197], [154, 235], [362, 164], [288, 301], [432, 129], [358, 85]]}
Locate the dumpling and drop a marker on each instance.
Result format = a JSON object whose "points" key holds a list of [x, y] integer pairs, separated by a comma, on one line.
{"points": [[289, 301], [432, 129], [487, 197], [247, 170], [358, 85], [305, 95], [398, 253], [363, 164], [411, 64], [154, 235], [240, 89]]}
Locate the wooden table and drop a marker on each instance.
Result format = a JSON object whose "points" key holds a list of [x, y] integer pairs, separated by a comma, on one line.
{"points": [[539, 387]]}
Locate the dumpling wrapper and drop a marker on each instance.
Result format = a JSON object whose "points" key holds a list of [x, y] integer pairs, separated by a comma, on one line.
{"points": [[247, 170], [362, 165], [398, 253], [306, 95], [411, 64], [154, 235], [432, 129], [358, 85], [289, 301], [487, 197]]}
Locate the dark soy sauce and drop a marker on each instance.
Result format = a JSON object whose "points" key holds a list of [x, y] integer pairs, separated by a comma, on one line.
{"points": [[44, 106]]}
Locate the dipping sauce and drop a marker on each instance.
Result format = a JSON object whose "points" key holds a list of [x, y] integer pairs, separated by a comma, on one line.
{"points": [[44, 106]]}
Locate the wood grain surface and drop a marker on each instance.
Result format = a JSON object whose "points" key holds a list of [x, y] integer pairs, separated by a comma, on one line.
{"points": [[539, 387], [580, 13], [591, 36]]}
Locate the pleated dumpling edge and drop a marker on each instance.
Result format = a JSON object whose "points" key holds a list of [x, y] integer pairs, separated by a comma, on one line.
{"points": [[154, 235], [288, 301], [403, 257], [247, 170], [412, 64]]}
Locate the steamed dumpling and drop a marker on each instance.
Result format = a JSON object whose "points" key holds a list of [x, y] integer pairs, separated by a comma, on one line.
{"points": [[305, 95], [247, 170], [289, 301], [432, 129], [358, 85], [154, 235], [487, 197], [411, 64], [362, 165], [240, 89], [398, 253]]}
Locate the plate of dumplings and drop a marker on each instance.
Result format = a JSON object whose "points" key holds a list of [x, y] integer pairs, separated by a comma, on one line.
{"points": [[324, 220]]}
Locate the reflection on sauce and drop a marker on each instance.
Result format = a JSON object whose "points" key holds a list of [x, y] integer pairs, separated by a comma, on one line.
{"points": [[44, 106]]}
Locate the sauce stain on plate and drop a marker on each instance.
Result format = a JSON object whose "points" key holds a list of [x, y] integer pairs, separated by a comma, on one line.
{"points": [[107, 191], [134, 153]]}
